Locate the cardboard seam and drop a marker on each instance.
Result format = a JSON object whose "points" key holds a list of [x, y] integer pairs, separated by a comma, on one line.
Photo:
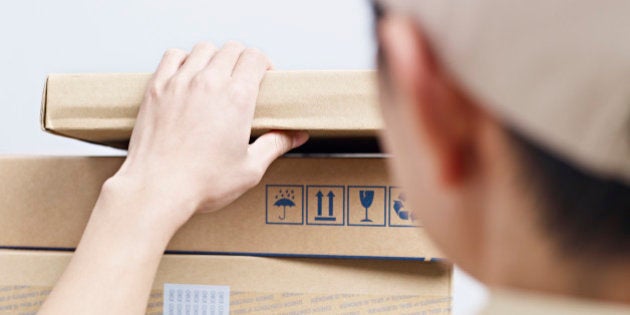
{"points": [[212, 253], [42, 111]]}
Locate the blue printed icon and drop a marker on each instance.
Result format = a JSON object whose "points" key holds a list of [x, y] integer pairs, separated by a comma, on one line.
{"points": [[284, 199], [366, 205], [284, 204], [331, 210], [399, 214], [324, 205], [398, 207], [366, 196]]}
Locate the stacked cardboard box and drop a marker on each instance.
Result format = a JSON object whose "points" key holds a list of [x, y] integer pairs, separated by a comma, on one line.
{"points": [[252, 285], [346, 240]]}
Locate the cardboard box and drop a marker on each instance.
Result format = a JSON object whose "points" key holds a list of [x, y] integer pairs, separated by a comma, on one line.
{"points": [[302, 207], [102, 108], [256, 284]]}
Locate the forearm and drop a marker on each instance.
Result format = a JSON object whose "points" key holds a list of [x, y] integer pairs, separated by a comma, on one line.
{"points": [[189, 152], [113, 267]]}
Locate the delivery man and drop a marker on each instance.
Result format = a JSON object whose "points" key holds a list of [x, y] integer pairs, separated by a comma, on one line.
{"points": [[509, 123]]}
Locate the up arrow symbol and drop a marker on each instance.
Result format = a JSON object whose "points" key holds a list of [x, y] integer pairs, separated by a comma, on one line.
{"points": [[319, 196], [331, 196]]}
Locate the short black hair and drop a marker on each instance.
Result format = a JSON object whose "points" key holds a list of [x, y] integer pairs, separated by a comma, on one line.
{"points": [[587, 215]]}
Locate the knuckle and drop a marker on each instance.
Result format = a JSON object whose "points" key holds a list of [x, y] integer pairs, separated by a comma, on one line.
{"points": [[178, 82], [154, 90], [278, 144], [200, 81], [242, 93], [208, 80]]}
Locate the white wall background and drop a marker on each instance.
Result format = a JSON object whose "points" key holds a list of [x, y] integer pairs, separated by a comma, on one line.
{"points": [[40, 37]]}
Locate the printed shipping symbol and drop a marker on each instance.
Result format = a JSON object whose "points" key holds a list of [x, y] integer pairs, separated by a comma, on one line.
{"points": [[367, 197], [320, 197], [399, 205], [284, 199]]}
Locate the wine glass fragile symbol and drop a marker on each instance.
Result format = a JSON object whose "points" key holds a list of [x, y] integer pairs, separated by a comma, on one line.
{"points": [[367, 197]]}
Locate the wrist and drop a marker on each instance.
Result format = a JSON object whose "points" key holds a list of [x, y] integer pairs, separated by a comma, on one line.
{"points": [[139, 208]]}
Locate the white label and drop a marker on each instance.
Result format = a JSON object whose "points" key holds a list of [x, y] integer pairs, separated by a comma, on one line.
{"points": [[184, 299]]}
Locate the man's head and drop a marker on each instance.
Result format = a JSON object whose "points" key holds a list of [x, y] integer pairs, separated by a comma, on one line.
{"points": [[512, 150]]}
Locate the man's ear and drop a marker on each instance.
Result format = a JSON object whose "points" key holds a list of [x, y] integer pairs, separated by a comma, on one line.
{"points": [[442, 116]]}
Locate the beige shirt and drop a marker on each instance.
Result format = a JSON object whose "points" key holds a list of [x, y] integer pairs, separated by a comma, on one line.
{"points": [[521, 303]]}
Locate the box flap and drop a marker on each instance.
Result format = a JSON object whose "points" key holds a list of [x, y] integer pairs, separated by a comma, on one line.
{"points": [[101, 108]]}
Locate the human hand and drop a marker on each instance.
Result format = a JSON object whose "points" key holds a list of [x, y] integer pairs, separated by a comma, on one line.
{"points": [[190, 149]]}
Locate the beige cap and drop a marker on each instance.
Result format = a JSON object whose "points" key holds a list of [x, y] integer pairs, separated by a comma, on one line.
{"points": [[557, 71]]}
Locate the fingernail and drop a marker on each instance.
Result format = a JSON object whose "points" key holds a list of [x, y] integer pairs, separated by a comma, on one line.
{"points": [[299, 138]]}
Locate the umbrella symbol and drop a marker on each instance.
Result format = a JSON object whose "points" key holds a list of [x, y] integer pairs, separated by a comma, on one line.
{"points": [[284, 199]]}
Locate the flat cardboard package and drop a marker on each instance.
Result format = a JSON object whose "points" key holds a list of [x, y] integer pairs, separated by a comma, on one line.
{"points": [[302, 207], [102, 108], [250, 285]]}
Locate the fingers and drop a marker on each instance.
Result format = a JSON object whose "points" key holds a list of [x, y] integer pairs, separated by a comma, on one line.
{"points": [[274, 144], [225, 59], [251, 67], [169, 65], [232, 60], [246, 78], [198, 59]]}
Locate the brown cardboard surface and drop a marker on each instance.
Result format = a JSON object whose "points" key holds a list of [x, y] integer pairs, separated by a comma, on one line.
{"points": [[258, 284], [102, 107], [46, 202]]}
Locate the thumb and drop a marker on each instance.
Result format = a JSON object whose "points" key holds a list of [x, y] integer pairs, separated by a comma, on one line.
{"points": [[274, 144]]}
